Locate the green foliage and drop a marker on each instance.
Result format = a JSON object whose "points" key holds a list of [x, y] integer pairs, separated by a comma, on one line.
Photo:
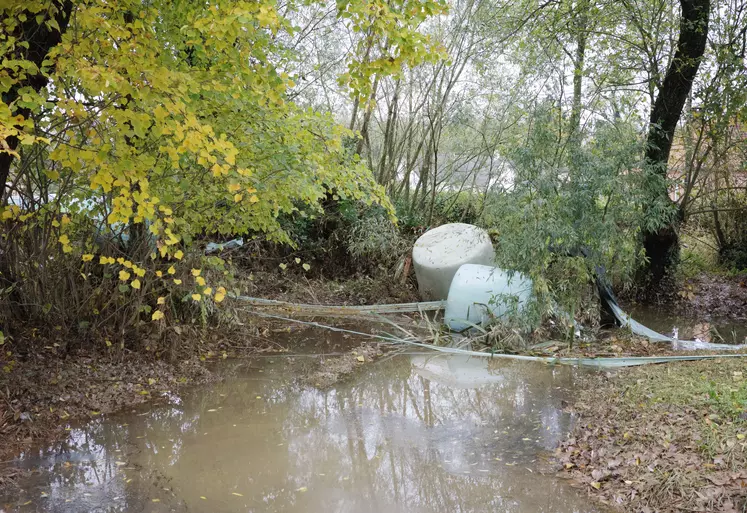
{"points": [[448, 207], [372, 236], [346, 238], [391, 42], [699, 253], [555, 210], [713, 389], [733, 252]]}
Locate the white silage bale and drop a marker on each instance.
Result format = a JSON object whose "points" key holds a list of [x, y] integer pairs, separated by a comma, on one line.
{"points": [[440, 252], [480, 292]]}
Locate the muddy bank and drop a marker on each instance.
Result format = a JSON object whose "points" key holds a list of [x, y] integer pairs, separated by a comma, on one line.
{"points": [[665, 438], [48, 379], [716, 296], [44, 392]]}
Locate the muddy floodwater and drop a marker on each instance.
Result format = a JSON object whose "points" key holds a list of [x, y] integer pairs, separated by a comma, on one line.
{"points": [[410, 433], [724, 331]]}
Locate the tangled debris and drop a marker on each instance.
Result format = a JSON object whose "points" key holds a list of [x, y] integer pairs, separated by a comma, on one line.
{"points": [[333, 369]]}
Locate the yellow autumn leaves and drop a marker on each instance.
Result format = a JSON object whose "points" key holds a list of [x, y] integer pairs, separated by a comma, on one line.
{"points": [[206, 291], [65, 241], [156, 161], [220, 295], [237, 197], [306, 267], [131, 270], [158, 314]]}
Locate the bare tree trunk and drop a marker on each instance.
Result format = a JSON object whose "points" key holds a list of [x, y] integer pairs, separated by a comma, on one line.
{"points": [[367, 120], [434, 144], [662, 244], [39, 39], [578, 76], [386, 150]]}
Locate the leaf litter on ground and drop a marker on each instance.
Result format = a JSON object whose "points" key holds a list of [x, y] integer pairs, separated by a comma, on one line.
{"points": [[665, 438]]}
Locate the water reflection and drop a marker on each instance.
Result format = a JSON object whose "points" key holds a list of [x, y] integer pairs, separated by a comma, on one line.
{"points": [[412, 434], [662, 319]]}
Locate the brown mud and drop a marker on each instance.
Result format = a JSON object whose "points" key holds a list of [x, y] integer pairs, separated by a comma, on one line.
{"points": [[716, 296]]}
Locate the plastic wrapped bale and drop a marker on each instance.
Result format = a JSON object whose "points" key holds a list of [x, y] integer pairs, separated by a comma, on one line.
{"points": [[440, 252], [479, 292], [457, 371]]}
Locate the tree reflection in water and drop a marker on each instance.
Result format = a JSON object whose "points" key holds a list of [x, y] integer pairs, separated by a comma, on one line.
{"points": [[412, 434]]}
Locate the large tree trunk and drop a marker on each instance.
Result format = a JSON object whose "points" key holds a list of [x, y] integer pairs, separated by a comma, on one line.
{"points": [[662, 244], [40, 40]]}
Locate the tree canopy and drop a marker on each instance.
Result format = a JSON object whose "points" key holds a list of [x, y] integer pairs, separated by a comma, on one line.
{"points": [[130, 130], [152, 123]]}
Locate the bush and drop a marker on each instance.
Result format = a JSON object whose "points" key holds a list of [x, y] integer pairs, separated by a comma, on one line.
{"points": [[89, 294], [372, 237], [341, 237], [557, 210]]}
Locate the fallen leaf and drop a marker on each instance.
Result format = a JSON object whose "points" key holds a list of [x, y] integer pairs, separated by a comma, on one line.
{"points": [[718, 479], [361, 359]]}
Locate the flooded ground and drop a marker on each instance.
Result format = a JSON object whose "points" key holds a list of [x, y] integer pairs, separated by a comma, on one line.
{"points": [[411, 433], [662, 320]]}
